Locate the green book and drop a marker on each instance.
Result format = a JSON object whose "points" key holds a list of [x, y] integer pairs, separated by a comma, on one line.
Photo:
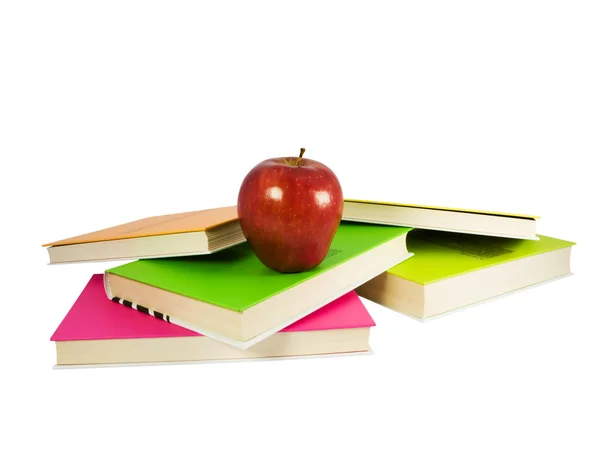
{"points": [[452, 270], [231, 296]]}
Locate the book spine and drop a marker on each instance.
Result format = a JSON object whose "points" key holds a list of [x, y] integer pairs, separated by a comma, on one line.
{"points": [[141, 309]]}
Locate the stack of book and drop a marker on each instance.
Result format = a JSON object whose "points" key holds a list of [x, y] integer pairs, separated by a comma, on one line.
{"points": [[195, 291]]}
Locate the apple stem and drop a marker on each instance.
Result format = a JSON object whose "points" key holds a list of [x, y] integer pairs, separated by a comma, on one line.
{"points": [[302, 150]]}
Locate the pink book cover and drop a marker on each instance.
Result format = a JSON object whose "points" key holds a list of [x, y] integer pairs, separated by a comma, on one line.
{"points": [[94, 316]]}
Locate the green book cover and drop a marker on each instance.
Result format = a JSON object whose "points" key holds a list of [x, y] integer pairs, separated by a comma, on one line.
{"points": [[439, 255], [235, 279]]}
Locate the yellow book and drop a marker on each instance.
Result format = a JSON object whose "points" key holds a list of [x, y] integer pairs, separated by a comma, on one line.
{"points": [[488, 223], [187, 233]]}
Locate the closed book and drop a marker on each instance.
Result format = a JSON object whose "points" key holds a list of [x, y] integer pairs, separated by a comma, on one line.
{"points": [[187, 233], [231, 296], [97, 331], [457, 220], [451, 270]]}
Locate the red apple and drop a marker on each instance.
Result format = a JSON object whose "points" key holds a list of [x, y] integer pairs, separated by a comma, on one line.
{"points": [[289, 210]]}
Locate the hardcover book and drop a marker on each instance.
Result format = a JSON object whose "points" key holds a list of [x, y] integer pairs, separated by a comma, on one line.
{"points": [[451, 270], [188, 233], [456, 220], [231, 296], [97, 331]]}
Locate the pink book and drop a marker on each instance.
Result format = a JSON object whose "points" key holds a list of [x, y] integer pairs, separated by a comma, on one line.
{"points": [[128, 333]]}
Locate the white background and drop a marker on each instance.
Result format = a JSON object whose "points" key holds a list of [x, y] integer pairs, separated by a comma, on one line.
{"points": [[116, 110]]}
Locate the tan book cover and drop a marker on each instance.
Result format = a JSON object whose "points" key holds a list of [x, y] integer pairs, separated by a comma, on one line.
{"points": [[158, 225]]}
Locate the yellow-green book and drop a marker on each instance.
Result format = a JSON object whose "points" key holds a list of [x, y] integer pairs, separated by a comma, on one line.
{"points": [[452, 270]]}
